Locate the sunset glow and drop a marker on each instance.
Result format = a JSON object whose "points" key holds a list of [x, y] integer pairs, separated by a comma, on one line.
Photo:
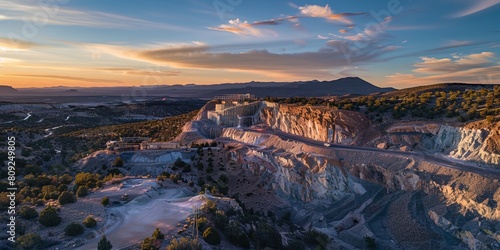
{"points": [[115, 43]]}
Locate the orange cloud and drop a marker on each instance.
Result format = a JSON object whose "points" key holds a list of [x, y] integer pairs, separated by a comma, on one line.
{"points": [[324, 12], [238, 27], [473, 68]]}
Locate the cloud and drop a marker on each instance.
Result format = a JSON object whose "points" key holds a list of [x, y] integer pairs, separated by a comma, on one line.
{"points": [[476, 6], [342, 31], [53, 13], [322, 37], [238, 27], [139, 72], [246, 28], [15, 44], [320, 63], [473, 68], [447, 46], [430, 65], [276, 21], [326, 13], [71, 78]]}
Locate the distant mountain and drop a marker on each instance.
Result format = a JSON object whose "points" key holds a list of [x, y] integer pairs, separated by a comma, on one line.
{"points": [[5, 89], [314, 88], [348, 85]]}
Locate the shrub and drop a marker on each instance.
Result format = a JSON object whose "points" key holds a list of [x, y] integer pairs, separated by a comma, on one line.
{"points": [[49, 217], [179, 163], [202, 223], [236, 235], [62, 188], [66, 197], [184, 244], [224, 178], [87, 179], [210, 206], [211, 236], [104, 244], [267, 236], [73, 229], [118, 162], [221, 219], [31, 241], [295, 244], [317, 238], [105, 201], [82, 191], [89, 221], [370, 242], [158, 235], [186, 168], [28, 212], [150, 244]]}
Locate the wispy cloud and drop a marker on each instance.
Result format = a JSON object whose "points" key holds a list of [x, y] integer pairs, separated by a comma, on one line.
{"points": [[58, 14], [15, 44], [326, 13], [476, 6], [450, 45], [431, 65], [71, 78], [321, 62], [472, 68], [141, 72], [238, 27]]}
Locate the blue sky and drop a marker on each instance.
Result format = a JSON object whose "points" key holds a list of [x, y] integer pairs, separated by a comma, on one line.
{"points": [[398, 43]]}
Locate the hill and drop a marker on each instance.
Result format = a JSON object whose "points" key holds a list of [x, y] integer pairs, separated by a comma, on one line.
{"points": [[5, 89], [314, 88], [348, 85]]}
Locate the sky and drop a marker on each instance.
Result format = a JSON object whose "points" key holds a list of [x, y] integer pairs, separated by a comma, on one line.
{"points": [[396, 43]]}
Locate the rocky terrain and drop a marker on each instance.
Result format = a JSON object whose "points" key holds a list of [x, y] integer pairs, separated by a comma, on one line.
{"points": [[447, 207]]}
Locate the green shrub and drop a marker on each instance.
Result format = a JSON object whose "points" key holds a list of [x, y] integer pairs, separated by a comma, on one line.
{"points": [[235, 234], [267, 236], [28, 212], [184, 244], [118, 162], [87, 179], [221, 219], [370, 242], [89, 221], [104, 244], [209, 206], [49, 217], [105, 201], [295, 244], [150, 244], [202, 223], [73, 229], [66, 197], [82, 191], [158, 235], [211, 236], [317, 238], [29, 241]]}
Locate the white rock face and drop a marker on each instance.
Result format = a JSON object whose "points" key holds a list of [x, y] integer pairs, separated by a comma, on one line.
{"points": [[302, 177], [349, 127], [463, 144], [155, 158]]}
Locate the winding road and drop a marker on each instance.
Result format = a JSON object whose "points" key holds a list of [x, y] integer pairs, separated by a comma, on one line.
{"points": [[431, 158]]}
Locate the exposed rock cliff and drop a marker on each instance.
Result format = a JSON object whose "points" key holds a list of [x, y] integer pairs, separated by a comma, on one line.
{"points": [[349, 127], [468, 144], [317, 174]]}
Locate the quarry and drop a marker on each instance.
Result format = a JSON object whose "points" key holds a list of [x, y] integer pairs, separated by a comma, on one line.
{"points": [[408, 185]]}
